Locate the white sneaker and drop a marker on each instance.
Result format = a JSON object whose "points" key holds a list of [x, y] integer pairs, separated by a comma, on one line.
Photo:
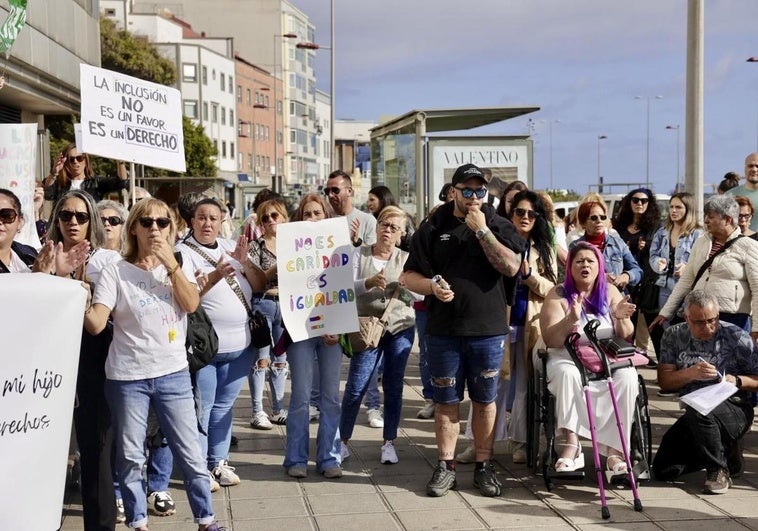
{"points": [[280, 418], [375, 419], [120, 514], [215, 487], [160, 503], [468, 455], [225, 475], [313, 413], [389, 455], [344, 451], [260, 421], [426, 412]]}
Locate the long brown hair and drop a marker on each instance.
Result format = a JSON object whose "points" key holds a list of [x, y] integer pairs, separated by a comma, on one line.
{"points": [[65, 175]]}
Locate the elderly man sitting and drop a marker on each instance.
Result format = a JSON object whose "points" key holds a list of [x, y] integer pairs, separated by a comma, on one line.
{"points": [[695, 354]]}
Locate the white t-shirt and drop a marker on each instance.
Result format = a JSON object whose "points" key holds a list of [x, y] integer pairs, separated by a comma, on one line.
{"points": [[76, 184], [97, 262], [17, 265], [149, 328], [222, 305]]}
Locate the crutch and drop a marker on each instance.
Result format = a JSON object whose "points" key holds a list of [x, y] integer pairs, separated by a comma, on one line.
{"points": [[591, 330], [571, 346]]}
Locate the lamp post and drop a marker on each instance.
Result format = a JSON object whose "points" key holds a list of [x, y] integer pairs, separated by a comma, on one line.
{"points": [[647, 150], [671, 128], [599, 176], [274, 183], [314, 46], [754, 60]]}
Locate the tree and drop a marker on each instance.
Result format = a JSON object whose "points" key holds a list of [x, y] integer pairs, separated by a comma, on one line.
{"points": [[134, 56], [199, 153]]}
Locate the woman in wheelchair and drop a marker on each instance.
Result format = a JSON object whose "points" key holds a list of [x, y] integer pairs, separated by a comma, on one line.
{"points": [[584, 295]]}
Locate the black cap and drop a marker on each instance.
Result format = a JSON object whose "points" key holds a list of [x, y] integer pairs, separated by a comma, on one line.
{"points": [[466, 172]]}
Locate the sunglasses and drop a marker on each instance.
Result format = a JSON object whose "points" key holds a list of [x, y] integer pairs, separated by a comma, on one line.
{"points": [[161, 222], [333, 190], [274, 216], [524, 213], [640, 200], [77, 158], [66, 216], [387, 225], [112, 220], [8, 215], [468, 193], [595, 217]]}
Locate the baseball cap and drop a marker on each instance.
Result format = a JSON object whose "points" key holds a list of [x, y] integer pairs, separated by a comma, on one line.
{"points": [[466, 172]]}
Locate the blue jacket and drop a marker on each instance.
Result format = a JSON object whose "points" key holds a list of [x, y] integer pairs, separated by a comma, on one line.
{"points": [[659, 248], [618, 258]]}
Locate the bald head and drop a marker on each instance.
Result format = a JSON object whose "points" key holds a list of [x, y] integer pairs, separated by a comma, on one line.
{"points": [[751, 171]]}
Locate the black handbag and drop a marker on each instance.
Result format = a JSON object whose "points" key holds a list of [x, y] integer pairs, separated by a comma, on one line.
{"points": [[647, 296]]}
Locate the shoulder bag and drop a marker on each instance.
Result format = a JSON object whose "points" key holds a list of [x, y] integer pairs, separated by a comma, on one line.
{"points": [[371, 329]]}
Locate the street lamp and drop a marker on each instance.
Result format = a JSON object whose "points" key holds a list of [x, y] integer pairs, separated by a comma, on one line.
{"points": [[647, 151], [754, 60], [599, 176], [671, 128], [274, 183]]}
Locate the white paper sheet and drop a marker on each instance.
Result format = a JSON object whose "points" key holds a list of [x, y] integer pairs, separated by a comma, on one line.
{"points": [[705, 399]]}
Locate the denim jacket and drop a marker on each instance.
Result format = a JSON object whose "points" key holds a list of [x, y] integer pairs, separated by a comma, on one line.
{"points": [[618, 258], [659, 248]]}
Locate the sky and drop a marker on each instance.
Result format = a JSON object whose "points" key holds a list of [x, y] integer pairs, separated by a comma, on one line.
{"points": [[583, 62]]}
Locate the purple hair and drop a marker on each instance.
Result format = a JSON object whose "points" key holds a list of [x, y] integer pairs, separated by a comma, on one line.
{"points": [[597, 302]]}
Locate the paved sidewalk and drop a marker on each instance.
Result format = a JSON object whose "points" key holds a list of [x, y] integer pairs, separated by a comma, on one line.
{"points": [[372, 496]]}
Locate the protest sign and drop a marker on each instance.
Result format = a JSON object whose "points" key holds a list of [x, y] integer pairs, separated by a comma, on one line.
{"points": [[126, 118], [18, 151], [314, 261], [41, 334]]}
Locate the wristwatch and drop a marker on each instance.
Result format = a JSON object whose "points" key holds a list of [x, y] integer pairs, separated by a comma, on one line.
{"points": [[481, 233]]}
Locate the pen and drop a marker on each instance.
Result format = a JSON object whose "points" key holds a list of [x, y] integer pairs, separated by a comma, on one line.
{"points": [[717, 371]]}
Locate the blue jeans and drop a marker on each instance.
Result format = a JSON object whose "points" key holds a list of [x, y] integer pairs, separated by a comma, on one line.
{"points": [[457, 361], [220, 382], [306, 358], [277, 375], [423, 363], [171, 396], [395, 348], [160, 464]]}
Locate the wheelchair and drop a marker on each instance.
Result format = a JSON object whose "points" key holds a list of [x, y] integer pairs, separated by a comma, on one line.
{"points": [[541, 424]]}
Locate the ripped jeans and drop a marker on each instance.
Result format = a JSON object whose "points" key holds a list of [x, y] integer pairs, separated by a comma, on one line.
{"points": [[459, 361], [263, 364]]}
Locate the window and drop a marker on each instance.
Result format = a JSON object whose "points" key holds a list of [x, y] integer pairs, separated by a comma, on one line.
{"points": [[265, 99], [223, 149], [190, 108], [215, 146], [231, 116], [250, 162], [205, 110], [247, 97], [223, 82], [239, 93], [189, 72], [214, 113], [231, 83], [223, 116], [231, 150], [205, 75], [265, 133], [240, 160], [109, 12]]}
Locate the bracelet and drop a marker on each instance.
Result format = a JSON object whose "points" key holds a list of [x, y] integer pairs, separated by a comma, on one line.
{"points": [[173, 270]]}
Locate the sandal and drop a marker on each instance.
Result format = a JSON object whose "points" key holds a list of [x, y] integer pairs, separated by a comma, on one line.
{"points": [[617, 471], [567, 464]]}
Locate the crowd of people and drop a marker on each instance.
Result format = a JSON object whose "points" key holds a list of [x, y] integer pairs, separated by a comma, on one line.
{"points": [[479, 284]]}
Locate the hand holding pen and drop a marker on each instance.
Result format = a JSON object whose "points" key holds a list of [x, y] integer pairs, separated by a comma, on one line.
{"points": [[706, 371]]}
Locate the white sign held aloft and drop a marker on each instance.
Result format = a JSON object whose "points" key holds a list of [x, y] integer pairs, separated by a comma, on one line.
{"points": [[130, 119], [18, 155], [315, 268]]}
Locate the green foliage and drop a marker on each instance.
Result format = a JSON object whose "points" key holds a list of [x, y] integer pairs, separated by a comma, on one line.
{"points": [[134, 56], [563, 195], [199, 153]]}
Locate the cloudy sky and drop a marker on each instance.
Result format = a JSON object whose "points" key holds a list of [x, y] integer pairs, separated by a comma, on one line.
{"points": [[582, 61]]}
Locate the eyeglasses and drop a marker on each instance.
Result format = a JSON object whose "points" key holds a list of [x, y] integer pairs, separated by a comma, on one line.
{"points": [[77, 158], [8, 215], [595, 217], [640, 200], [387, 225], [524, 213], [744, 216], [703, 322], [333, 190], [161, 222], [468, 193], [274, 216], [66, 216], [112, 220]]}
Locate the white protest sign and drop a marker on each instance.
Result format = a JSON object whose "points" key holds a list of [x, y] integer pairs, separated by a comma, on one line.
{"points": [[18, 154], [314, 261], [126, 118], [41, 333]]}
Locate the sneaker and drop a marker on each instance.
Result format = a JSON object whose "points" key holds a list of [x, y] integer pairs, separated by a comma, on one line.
{"points": [[344, 451], [120, 514], [260, 421], [224, 474], [280, 418], [442, 481], [313, 413], [160, 503], [213, 527], [519, 453], [717, 481], [389, 455], [297, 471], [215, 487], [332, 472], [375, 419], [468, 455], [486, 480], [426, 412]]}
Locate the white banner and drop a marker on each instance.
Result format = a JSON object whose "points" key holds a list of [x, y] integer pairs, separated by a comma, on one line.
{"points": [[41, 330], [314, 261], [126, 118], [18, 155]]}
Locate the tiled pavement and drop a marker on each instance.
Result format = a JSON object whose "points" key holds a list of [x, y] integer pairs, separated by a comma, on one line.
{"points": [[374, 496]]}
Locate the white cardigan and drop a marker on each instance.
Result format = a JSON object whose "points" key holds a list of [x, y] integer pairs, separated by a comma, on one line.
{"points": [[732, 279]]}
